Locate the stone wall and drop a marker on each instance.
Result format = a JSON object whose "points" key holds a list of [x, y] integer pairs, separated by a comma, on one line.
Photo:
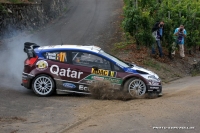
{"points": [[28, 16]]}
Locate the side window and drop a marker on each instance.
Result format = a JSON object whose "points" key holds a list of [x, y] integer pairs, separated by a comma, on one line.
{"points": [[90, 60], [56, 56], [116, 68]]}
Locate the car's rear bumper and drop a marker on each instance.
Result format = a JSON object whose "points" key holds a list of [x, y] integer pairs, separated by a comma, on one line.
{"points": [[26, 80], [157, 89]]}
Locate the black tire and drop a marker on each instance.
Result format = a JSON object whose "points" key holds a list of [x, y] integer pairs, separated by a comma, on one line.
{"points": [[138, 90], [43, 85]]}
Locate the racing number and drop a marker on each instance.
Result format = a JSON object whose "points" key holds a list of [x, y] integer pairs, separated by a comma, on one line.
{"points": [[61, 56]]}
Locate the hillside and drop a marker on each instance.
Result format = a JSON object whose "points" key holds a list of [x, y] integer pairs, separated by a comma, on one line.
{"points": [[167, 69]]}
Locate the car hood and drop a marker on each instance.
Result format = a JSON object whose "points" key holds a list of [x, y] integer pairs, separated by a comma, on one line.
{"points": [[143, 72]]}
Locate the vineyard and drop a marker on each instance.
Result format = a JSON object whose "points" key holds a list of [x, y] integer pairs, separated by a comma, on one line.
{"points": [[140, 16]]}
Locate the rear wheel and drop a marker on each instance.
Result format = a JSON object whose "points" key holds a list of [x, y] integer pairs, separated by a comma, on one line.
{"points": [[135, 87], [43, 85]]}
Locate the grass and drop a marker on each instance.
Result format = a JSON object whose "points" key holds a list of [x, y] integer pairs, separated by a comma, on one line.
{"points": [[195, 73], [152, 64], [120, 45], [166, 69], [177, 75], [126, 39]]}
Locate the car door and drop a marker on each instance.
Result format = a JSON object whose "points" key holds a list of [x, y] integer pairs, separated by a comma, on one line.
{"points": [[92, 66], [59, 68]]}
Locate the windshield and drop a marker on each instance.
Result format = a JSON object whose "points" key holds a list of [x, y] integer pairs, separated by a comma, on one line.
{"points": [[115, 59]]}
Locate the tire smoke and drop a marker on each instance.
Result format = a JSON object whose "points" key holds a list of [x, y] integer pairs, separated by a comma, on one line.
{"points": [[12, 59]]}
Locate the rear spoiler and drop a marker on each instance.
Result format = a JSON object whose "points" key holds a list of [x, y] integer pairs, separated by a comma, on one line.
{"points": [[29, 49]]}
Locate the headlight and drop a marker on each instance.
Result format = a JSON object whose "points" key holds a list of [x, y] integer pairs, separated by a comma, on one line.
{"points": [[153, 80], [153, 77]]}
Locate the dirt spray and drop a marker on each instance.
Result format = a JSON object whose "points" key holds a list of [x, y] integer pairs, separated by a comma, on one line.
{"points": [[104, 90]]}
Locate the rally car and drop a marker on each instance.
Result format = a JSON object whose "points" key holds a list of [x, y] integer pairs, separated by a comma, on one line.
{"points": [[72, 68]]}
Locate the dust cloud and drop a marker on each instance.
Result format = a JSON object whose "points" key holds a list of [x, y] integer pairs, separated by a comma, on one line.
{"points": [[12, 59]]}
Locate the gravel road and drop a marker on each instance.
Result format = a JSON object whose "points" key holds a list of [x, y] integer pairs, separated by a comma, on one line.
{"points": [[85, 22], [89, 22], [178, 108]]}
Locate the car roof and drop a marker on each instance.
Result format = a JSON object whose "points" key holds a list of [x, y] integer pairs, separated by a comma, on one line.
{"points": [[70, 47]]}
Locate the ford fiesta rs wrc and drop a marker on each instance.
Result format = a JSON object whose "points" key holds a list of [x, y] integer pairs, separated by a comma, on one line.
{"points": [[72, 68]]}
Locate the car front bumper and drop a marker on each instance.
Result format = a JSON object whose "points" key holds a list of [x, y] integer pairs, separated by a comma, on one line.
{"points": [[152, 88]]}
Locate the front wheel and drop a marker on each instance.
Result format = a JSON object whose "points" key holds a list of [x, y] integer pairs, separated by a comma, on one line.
{"points": [[43, 85], [135, 87]]}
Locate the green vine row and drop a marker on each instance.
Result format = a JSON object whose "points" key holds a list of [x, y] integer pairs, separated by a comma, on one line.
{"points": [[140, 15]]}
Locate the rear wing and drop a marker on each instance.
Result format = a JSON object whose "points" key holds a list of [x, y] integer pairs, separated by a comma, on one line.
{"points": [[29, 49]]}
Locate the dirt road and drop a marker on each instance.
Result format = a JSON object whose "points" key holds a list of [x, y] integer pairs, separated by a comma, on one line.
{"points": [[85, 22], [88, 22], [179, 107]]}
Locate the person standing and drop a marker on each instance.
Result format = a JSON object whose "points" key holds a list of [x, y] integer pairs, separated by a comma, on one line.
{"points": [[157, 32], [180, 34]]}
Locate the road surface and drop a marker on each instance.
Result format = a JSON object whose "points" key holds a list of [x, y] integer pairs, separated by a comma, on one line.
{"points": [[175, 111], [88, 22]]}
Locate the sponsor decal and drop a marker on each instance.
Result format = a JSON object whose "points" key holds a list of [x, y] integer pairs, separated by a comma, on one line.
{"points": [[54, 69], [129, 70], [98, 78], [112, 80], [69, 85], [153, 87], [90, 81], [41, 65], [104, 72], [59, 56], [83, 88], [51, 56]]}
